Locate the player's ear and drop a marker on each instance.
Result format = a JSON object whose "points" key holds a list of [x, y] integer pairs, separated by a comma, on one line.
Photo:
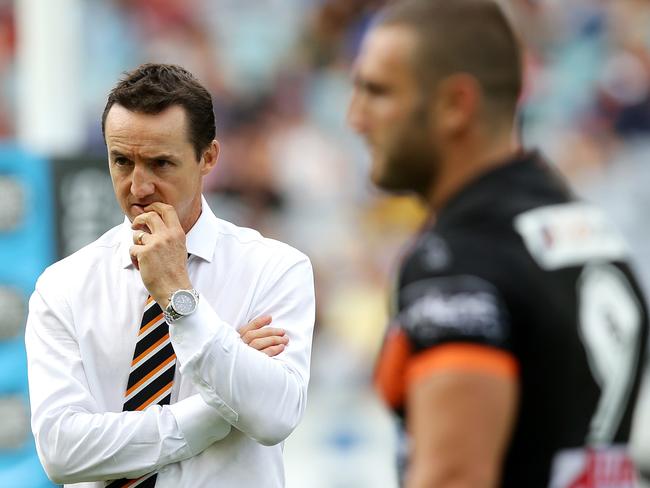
{"points": [[209, 158], [457, 102]]}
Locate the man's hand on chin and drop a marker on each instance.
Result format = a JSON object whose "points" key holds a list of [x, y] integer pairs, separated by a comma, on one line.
{"points": [[159, 251]]}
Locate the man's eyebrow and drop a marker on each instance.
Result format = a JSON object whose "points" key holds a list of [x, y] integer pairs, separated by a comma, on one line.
{"points": [[371, 87], [367, 85], [117, 153], [159, 156]]}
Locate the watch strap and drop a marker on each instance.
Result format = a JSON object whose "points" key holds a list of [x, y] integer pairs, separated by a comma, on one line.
{"points": [[170, 313]]}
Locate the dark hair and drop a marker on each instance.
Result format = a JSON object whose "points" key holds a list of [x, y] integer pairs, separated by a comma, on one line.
{"points": [[463, 36], [151, 88]]}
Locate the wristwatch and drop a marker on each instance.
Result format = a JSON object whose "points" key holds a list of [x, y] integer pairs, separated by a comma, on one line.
{"points": [[181, 304]]}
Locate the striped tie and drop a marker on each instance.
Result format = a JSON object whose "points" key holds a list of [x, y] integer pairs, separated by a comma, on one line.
{"points": [[152, 375]]}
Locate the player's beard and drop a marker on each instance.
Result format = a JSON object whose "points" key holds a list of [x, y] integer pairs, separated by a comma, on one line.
{"points": [[411, 159]]}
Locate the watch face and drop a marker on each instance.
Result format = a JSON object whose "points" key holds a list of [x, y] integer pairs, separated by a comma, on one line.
{"points": [[184, 302]]}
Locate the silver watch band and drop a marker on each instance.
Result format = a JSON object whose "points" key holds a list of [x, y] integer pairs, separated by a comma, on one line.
{"points": [[171, 314]]}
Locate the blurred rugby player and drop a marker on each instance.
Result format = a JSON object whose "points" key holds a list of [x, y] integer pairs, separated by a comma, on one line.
{"points": [[515, 353]]}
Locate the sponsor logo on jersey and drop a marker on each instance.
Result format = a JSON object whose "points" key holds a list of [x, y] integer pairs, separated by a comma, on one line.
{"points": [[454, 308], [606, 467], [571, 234]]}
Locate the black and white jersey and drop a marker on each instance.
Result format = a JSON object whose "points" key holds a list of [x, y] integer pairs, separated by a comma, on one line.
{"points": [[518, 278]]}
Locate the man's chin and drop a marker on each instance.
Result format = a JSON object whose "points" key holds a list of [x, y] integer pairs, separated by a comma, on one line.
{"points": [[387, 182], [379, 178], [397, 184]]}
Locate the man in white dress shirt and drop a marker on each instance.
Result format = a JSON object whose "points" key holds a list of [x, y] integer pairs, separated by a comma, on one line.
{"points": [[231, 400]]}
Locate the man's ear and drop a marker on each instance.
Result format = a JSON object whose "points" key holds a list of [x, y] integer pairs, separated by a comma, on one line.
{"points": [[210, 157], [457, 103]]}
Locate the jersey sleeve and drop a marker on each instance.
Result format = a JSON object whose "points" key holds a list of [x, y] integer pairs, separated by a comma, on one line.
{"points": [[451, 322]]}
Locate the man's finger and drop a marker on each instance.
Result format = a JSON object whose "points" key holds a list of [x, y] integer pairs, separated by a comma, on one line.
{"points": [[263, 342], [166, 212], [251, 335], [133, 253], [150, 221], [139, 236], [256, 324], [274, 350]]}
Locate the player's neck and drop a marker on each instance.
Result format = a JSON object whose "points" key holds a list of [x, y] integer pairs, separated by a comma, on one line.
{"points": [[466, 161]]}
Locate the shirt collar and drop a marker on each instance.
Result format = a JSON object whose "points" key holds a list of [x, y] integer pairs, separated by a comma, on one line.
{"points": [[200, 240]]}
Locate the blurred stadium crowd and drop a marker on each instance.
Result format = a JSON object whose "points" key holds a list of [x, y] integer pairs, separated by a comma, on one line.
{"points": [[279, 71]]}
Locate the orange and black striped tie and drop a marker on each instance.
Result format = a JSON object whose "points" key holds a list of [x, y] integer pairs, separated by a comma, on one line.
{"points": [[151, 377]]}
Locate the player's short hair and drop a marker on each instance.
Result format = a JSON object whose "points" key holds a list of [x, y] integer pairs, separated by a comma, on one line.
{"points": [[152, 88], [463, 36]]}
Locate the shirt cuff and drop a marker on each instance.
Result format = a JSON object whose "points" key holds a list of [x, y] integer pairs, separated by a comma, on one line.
{"points": [[190, 334], [194, 338], [200, 424]]}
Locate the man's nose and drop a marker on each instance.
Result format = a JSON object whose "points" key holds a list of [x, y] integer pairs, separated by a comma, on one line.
{"points": [[142, 182], [355, 115]]}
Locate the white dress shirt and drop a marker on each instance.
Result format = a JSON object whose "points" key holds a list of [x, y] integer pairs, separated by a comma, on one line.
{"points": [[83, 321]]}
